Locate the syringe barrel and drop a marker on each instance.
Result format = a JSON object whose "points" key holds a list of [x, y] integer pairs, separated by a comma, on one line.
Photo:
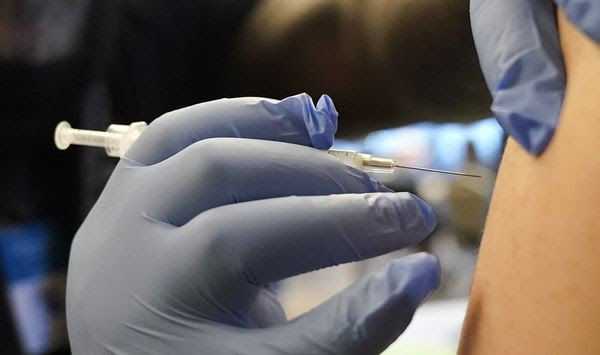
{"points": [[64, 136], [364, 162]]}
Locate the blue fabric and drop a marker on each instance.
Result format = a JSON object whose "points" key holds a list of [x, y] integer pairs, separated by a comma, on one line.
{"points": [[24, 251], [216, 202], [519, 52]]}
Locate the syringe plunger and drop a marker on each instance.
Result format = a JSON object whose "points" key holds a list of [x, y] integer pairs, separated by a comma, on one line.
{"points": [[116, 140]]}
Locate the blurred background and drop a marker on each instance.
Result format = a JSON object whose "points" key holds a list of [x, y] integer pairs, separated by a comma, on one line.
{"points": [[94, 63]]}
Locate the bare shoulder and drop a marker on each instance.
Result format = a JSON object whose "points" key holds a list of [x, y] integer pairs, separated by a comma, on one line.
{"points": [[537, 286]]}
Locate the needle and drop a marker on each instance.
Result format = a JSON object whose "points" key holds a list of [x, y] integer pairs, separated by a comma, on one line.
{"points": [[436, 171]]}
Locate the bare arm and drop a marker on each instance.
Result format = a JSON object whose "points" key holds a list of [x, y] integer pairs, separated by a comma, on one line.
{"points": [[384, 63], [537, 284]]}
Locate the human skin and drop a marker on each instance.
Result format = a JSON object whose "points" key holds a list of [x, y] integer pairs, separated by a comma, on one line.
{"points": [[536, 288], [384, 62]]}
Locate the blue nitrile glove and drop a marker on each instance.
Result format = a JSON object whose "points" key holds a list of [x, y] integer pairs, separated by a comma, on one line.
{"points": [[195, 224], [519, 52]]}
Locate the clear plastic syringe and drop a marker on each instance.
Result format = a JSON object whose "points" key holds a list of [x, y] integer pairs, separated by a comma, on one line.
{"points": [[118, 138]]}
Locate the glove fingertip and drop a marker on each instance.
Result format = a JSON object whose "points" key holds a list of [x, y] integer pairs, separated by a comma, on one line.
{"points": [[320, 120], [405, 284], [410, 280], [529, 107], [428, 214], [322, 123], [325, 105], [532, 134], [425, 272], [416, 216]]}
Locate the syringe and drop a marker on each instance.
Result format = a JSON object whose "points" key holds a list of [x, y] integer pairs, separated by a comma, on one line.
{"points": [[118, 138], [369, 163]]}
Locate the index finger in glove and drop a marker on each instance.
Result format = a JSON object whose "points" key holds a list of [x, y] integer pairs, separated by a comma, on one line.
{"points": [[292, 120], [272, 239], [519, 52]]}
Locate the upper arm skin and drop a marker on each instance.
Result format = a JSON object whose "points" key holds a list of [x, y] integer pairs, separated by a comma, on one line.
{"points": [[536, 289]]}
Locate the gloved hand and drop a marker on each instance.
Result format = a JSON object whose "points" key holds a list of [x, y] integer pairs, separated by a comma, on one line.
{"points": [[519, 52], [213, 204]]}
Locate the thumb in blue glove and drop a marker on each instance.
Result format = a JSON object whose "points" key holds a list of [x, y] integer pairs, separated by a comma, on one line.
{"points": [[213, 204], [519, 52]]}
